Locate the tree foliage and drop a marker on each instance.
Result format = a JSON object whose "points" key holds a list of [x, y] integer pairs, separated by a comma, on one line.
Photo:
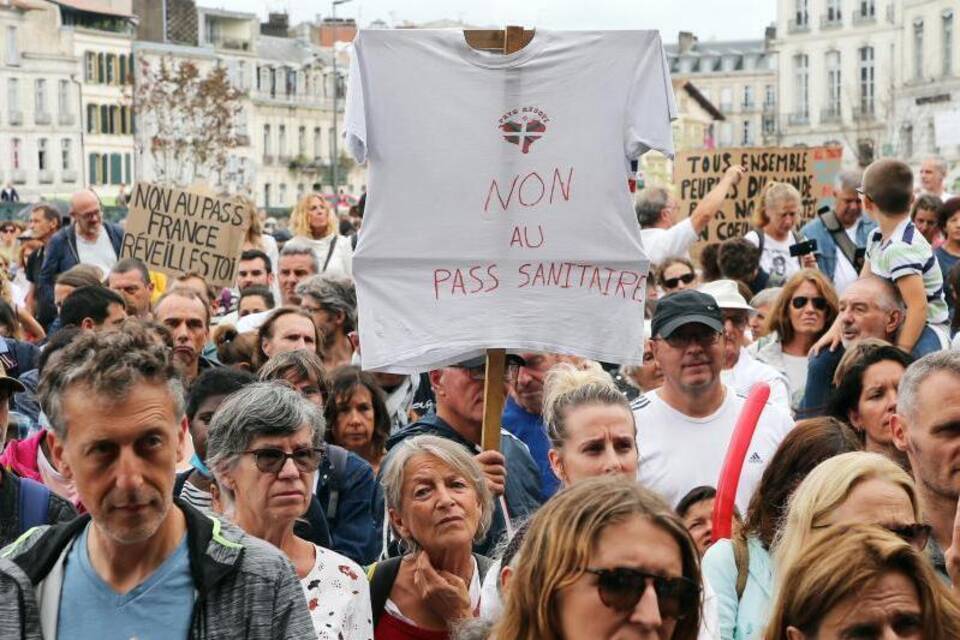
{"points": [[191, 119]]}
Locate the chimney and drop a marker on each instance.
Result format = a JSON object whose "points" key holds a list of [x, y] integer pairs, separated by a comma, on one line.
{"points": [[769, 35], [685, 41]]}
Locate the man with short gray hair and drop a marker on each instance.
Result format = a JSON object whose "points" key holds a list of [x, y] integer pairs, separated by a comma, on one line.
{"points": [[842, 233], [116, 408], [933, 174], [331, 300], [663, 233], [298, 261], [926, 427]]}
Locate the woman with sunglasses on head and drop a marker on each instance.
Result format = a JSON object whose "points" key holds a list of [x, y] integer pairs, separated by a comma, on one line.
{"points": [[604, 559], [740, 570], [804, 311], [676, 274], [852, 488], [263, 447], [862, 582]]}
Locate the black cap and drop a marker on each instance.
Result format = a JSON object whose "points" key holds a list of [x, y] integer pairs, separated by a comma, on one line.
{"points": [[684, 307]]}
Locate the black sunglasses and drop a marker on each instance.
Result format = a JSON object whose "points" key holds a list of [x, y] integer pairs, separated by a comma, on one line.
{"points": [[800, 302], [271, 460], [671, 283], [621, 589]]}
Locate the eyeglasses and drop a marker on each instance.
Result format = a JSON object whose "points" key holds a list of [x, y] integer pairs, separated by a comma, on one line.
{"points": [[621, 589], [916, 535], [271, 460], [684, 340], [6, 231], [479, 374], [673, 283], [819, 303]]}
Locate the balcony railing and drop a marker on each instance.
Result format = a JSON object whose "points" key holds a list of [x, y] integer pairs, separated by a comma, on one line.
{"points": [[797, 26], [864, 18], [798, 119], [42, 117], [19, 176], [45, 176], [769, 107], [830, 114], [748, 107], [831, 21], [15, 117], [69, 175]]}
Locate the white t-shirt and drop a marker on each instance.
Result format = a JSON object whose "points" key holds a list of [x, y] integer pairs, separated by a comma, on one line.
{"points": [[498, 213], [341, 260], [748, 371], [844, 273], [775, 258], [796, 368], [679, 453], [338, 597], [660, 244], [99, 253]]}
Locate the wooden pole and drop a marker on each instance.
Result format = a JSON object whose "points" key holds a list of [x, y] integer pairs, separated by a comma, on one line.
{"points": [[513, 39]]}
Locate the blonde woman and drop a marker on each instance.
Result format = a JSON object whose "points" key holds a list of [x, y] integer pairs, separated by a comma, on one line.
{"points": [[604, 558], [859, 582], [775, 218], [314, 222], [851, 488]]}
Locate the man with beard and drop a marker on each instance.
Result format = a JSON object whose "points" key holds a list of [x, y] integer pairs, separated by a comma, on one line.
{"points": [[685, 426], [523, 414], [331, 300], [186, 315], [925, 427], [142, 562]]}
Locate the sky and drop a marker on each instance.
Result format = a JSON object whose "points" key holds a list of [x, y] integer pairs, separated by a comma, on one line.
{"points": [[708, 19]]}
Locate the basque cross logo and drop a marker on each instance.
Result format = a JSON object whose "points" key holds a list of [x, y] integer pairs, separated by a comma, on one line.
{"points": [[523, 133]]}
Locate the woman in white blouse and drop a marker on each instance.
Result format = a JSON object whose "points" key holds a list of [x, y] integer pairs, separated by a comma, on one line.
{"points": [[314, 222], [264, 447]]}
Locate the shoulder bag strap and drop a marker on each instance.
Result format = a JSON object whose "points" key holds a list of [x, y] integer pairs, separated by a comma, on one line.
{"points": [[741, 555], [382, 575], [333, 245]]}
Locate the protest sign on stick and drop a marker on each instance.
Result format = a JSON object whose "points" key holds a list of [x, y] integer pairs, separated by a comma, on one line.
{"points": [[811, 170], [176, 231]]}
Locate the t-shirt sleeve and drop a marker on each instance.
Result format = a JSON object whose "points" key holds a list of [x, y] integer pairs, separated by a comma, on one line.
{"points": [[650, 104], [752, 237], [355, 116], [908, 259]]}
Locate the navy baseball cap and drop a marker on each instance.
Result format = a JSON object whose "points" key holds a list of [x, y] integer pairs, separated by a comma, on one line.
{"points": [[685, 307]]}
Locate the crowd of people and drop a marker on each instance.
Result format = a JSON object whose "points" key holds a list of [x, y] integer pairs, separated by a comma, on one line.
{"points": [[187, 461]]}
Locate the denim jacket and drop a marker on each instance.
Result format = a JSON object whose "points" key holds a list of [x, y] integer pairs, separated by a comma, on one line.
{"points": [[826, 246]]}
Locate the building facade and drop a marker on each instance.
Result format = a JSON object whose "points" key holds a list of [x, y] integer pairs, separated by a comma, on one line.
{"points": [[739, 78], [40, 103]]}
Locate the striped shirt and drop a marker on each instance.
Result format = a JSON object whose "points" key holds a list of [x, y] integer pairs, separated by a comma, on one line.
{"points": [[906, 252]]}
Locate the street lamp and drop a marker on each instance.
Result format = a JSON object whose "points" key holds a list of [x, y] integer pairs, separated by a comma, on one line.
{"points": [[335, 161]]}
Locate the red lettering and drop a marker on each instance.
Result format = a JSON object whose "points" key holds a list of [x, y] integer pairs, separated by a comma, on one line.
{"points": [[527, 238], [495, 188], [515, 239], [564, 189], [524, 271], [595, 279], [477, 278], [437, 282], [539, 275], [492, 272], [622, 284], [458, 283], [543, 188]]}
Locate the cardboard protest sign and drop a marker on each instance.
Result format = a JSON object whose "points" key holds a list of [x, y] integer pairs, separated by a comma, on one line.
{"points": [[175, 232], [811, 170]]}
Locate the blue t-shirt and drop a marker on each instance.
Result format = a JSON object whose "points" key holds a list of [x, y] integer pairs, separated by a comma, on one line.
{"points": [[159, 607], [531, 430]]}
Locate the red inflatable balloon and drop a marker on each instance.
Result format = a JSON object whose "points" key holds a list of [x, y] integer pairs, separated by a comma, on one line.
{"points": [[733, 464]]}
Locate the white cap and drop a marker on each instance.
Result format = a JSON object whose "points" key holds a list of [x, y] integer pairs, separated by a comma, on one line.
{"points": [[727, 295]]}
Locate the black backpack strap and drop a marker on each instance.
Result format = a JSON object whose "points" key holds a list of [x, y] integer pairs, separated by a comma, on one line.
{"points": [[382, 575], [760, 234], [333, 245], [841, 239], [338, 470]]}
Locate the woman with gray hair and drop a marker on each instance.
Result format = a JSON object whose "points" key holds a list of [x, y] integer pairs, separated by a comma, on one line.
{"points": [[264, 447], [439, 505]]}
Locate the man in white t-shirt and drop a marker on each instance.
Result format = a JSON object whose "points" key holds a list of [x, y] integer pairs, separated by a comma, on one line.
{"points": [[741, 370], [685, 426], [657, 212]]}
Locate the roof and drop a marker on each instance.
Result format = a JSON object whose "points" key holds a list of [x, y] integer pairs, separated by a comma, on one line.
{"points": [[226, 13], [28, 5], [290, 50], [707, 57], [119, 8]]}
